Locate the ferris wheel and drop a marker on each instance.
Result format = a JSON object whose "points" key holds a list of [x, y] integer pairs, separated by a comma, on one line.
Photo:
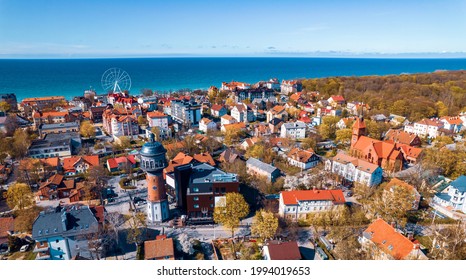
{"points": [[116, 79]]}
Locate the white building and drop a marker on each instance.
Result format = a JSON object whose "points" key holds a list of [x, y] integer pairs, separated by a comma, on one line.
{"points": [[205, 125], [454, 196], [453, 124], [425, 127], [290, 86], [227, 119], [296, 205], [61, 234], [241, 113], [304, 159], [355, 170], [293, 130]]}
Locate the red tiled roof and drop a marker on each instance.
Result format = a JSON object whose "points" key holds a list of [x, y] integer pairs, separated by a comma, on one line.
{"points": [[69, 163], [156, 114], [292, 197], [338, 98], [400, 136], [216, 107], [205, 158], [301, 155], [452, 120], [159, 248], [389, 240], [284, 250]]}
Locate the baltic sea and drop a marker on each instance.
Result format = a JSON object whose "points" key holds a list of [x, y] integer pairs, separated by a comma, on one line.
{"points": [[70, 77]]}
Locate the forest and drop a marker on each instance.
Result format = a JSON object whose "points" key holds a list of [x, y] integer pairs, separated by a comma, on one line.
{"points": [[415, 96]]}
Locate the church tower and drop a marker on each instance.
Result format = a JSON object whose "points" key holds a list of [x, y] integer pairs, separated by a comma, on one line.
{"points": [[359, 129], [153, 161]]}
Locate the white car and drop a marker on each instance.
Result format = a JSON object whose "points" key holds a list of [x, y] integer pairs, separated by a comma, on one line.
{"points": [[24, 248]]}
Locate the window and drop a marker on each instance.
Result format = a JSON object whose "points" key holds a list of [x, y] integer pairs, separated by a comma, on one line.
{"points": [[196, 205], [196, 198], [59, 249], [61, 256], [195, 189], [56, 241]]}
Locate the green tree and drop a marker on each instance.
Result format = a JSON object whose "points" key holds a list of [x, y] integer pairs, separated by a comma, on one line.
{"points": [[256, 151], [265, 224], [21, 143], [230, 211], [19, 196], [125, 142], [137, 224], [156, 131], [344, 135], [142, 120], [328, 127], [25, 218], [87, 129], [442, 110], [4, 106]]}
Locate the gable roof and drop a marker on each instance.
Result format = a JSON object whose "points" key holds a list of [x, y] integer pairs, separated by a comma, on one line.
{"points": [[261, 165], [388, 239], [156, 114], [452, 120], [277, 109], [358, 163], [400, 136], [359, 123], [56, 179], [294, 197], [397, 182], [301, 155], [70, 162], [337, 98], [204, 158], [159, 248], [229, 155], [284, 250], [216, 107]]}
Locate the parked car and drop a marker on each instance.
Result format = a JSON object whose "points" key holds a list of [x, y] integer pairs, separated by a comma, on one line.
{"points": [[24, 248]]}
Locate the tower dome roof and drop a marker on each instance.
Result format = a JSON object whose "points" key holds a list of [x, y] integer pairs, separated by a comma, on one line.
{"points": [[152, 147]]}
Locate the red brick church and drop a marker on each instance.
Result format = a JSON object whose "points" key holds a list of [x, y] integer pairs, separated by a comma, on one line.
{"points": [[384, 154]]}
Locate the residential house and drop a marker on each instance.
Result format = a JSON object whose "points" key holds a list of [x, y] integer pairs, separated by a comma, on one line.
{"points": [[79, 164], [96, 113], [304, 159], [229, 156], [241, 113], [290, 86], [205, 158], [296, 205], [278, 112], [425, 128], [49, 117], [262, 130], [233, 126], [357, 108], [45, 129], [218, 110], [336, 100], [159, 249], [234, 85], [453, 124], [121, 163], [121, 121], [249, 142], [206, 125], [55, 145], [160, 120], [257, 167], [345, 122], [275, 125], [395, 182], [293, 130], [352, 169], [384, 242], [40, 103], [403, 137], [49, 189], [227, 119], [279, 250], [7, 227], [453, 197], [60, 234]]}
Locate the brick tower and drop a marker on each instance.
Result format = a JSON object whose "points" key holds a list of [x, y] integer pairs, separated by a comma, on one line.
{"points": [[359, 129], [153, 161]]}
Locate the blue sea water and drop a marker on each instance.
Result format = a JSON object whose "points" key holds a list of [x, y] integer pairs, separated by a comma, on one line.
{"points": [[70, 77]]}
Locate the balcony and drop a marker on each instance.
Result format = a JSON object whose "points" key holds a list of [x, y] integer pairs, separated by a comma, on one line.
{"points": [[43, 255]]}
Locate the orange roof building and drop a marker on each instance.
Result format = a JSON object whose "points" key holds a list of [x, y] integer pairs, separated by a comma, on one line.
{"points": [[402, 137], [296, 205], [303, 159], [205, 158], [383, 154], [79, 164], [159, 249], [385, 243]]}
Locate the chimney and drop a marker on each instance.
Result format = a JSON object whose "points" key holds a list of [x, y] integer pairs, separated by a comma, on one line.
{"points": [[393, 224]]}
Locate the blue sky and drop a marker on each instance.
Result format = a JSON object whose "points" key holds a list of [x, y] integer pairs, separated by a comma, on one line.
{"points": [[83, 28]]}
